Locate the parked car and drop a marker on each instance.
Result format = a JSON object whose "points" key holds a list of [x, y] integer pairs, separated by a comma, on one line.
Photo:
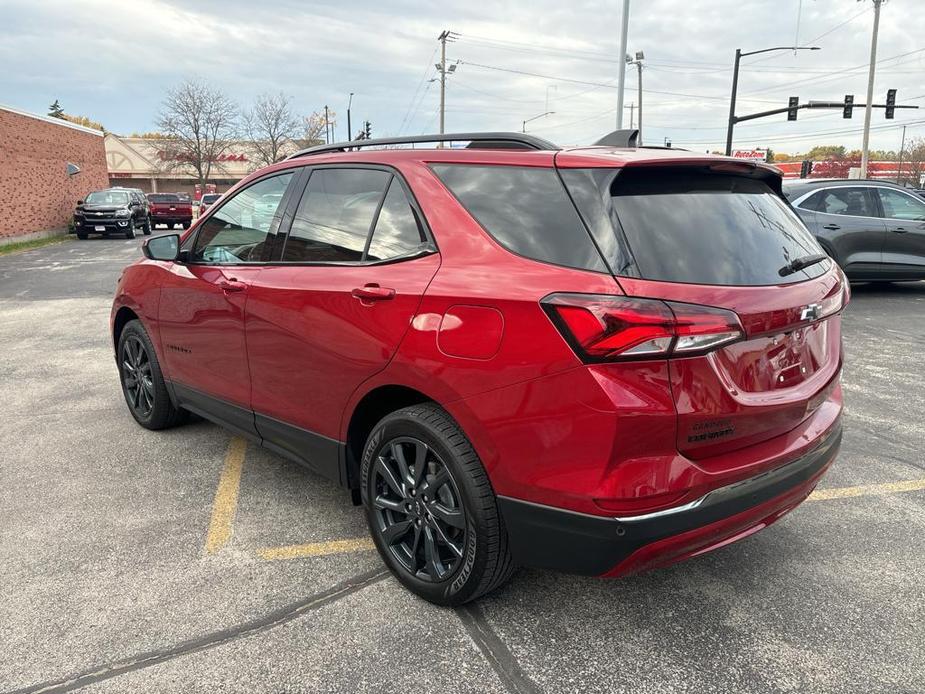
{"points": [[466, 340], [111, 211], [874, 229], [139, 194], [207, 200], [170, 209]]}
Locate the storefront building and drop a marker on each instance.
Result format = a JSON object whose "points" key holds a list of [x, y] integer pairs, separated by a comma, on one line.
{"points": [[138, 162]]}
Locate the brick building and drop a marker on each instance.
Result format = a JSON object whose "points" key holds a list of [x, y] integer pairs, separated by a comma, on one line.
{"points": [[37, 197]]}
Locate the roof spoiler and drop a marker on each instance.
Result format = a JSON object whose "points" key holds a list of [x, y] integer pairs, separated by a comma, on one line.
{"points": [[619, 138]]}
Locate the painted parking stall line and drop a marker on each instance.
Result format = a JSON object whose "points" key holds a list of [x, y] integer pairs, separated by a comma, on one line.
{"points": [[225, 505]]}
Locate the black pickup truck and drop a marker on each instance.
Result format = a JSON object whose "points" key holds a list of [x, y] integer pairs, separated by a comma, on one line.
{"points": [[111, 211]]}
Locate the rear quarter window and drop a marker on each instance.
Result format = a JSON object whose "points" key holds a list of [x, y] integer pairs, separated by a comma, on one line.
{"points": [[526, 210]]}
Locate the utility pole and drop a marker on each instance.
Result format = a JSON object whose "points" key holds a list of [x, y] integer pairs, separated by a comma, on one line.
{"points": [[902, 146], [327, 140], [865, 145], [631, 114], [349, 129], [445, 35], [735, 84], [621, 79], [637, 61]]}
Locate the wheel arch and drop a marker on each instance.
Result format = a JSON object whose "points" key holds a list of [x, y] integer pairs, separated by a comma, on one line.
{"points": [[369, 410], [122, 318]]}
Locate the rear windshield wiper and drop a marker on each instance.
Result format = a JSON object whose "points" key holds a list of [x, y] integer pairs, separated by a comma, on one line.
{"points": [[799, 263]]}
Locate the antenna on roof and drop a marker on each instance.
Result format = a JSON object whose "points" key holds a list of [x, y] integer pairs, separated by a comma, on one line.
{"points": [[619, 138]]}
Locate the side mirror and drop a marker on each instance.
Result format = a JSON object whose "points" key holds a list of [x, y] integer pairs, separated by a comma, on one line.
{"points": [[165, 247]]}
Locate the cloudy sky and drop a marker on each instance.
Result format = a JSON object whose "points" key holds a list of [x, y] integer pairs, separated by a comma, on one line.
{"points": [[111, 60]]}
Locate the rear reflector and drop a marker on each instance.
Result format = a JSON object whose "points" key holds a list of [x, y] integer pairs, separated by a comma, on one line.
{"points": [[601, 327]]}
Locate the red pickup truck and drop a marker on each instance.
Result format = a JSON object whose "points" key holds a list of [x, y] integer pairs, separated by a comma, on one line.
{"points": [[170, 209]]}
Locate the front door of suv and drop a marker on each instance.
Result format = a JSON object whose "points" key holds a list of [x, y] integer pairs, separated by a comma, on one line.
{"points": [[904, 249], [847, 220], [331, 312], [203, 301]]}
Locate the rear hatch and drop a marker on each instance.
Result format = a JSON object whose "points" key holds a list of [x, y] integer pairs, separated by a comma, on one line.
{"points": [[169, 205], [753, 340]]}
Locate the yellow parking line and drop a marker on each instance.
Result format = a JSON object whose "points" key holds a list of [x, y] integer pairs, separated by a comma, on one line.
{"points": [[316, 549], [226, 496], [867, 490]]}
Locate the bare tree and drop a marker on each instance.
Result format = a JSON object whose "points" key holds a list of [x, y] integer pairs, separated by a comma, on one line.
{"points": [[199, 124], [314, 128], [913, 166], [271, 127]]}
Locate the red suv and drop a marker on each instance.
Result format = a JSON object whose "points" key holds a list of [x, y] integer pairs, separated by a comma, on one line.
{"points": [[599, 360]]}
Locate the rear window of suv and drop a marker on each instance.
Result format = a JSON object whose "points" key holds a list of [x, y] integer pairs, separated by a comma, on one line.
{"points": [[526, 210], [163, 197], [692, 226]]}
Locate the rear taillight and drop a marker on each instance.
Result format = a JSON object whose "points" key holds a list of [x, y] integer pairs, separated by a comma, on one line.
{"points": [[600, 327]]}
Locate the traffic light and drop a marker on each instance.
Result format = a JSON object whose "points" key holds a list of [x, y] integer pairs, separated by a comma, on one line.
{"points": [[890, 102], [367, 130], [806, 168], [849, 104], [792, 107]]}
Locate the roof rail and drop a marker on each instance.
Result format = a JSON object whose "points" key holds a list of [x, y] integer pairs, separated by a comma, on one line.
{"points": [[476, 141]]}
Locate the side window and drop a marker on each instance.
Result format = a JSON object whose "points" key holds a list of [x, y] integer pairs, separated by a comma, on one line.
{"points": [[897, 205], [335, 215], [851, 202], [238, 230], [397, 232], [525, 209]]}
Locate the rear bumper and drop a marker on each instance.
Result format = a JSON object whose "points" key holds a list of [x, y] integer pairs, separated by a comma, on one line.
{"points": [[547, 537]]}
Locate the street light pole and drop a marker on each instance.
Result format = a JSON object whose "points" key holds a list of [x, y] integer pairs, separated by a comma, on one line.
{"points": [[735, 84], [524, 127], [865, 145], [349, 129], [621, 78], [902, 146]]}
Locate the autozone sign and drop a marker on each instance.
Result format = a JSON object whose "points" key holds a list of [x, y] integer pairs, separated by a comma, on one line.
{"points": [[751, 154]]}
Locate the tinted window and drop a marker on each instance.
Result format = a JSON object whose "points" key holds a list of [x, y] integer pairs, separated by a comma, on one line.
{"points": [[848, 201], [705, 228], [526, 210], [163, 197], [897, 205], [397, 232], [237, 231], [335, 215]]}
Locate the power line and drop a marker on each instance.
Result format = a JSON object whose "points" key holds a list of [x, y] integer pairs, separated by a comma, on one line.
{"points": [[410, 103]]}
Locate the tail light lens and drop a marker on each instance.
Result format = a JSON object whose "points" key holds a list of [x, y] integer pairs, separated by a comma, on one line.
{"points": [[600, 327]]}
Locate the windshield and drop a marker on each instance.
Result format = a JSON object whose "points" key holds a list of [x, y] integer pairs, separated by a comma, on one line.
{"points": [[694, 226], [163, 197], [209, 199], [107, 197]]}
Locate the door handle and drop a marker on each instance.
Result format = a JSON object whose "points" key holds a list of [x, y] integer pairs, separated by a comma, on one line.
{"points": [[372, 292], [231, 285], [899, 230], [831, 227]]}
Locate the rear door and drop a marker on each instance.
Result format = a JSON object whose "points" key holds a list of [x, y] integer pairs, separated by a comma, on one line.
{"points": [[847, 218], [904, 214], [331, 311], [695, 237]]}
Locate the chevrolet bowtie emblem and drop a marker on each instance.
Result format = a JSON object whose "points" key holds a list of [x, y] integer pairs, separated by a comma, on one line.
{"points": [[810, 312]]}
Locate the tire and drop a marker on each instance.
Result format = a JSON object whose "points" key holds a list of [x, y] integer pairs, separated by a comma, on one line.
{"points": [[147, 226], [187, 225], [82, 235], [408, 526], [130, 232], [150, 402]]}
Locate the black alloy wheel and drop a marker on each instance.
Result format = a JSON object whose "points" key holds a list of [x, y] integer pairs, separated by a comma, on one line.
{"points": [[147, 226], [137, 377], [418, 509], [130, 232]]}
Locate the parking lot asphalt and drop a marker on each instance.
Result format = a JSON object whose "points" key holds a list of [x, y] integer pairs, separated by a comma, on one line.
{"points": [[186, 560]]}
